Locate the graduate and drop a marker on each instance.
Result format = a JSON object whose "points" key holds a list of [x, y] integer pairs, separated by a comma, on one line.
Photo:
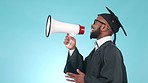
{"points": [[105, 63]]}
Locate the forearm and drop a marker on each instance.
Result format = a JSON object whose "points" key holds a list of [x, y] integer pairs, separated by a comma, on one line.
{"points": [[75, 61]]}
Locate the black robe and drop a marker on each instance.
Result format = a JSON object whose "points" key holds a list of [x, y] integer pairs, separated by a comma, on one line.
{"points": [[105, 65]]}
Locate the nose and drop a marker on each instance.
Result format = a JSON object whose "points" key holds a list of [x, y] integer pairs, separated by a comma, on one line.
{"points": [[92, 26]]}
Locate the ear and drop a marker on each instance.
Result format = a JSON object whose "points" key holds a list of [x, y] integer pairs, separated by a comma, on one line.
{"points": [[104, 28]]}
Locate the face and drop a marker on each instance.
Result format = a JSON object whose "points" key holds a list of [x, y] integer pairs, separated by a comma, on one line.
{"points": [[95, 27]]}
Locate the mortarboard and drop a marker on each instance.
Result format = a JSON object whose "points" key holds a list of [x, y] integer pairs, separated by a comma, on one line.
{"points": [[113, 21]]}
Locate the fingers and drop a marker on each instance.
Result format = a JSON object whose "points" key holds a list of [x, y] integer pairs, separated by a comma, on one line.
{"points": [[67, 39], [70, 77], [71, 80], [78, 78], [71, 74], [79, 72], [70, 42]]}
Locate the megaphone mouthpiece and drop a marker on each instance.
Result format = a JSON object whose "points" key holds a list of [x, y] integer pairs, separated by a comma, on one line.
{"points": [[82, 28]]}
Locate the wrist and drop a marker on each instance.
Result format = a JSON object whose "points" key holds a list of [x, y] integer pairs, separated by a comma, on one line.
{"points": [[73, 48]]}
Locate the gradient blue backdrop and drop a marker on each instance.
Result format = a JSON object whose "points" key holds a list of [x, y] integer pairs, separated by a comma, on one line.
{"points": [[27, 56]]}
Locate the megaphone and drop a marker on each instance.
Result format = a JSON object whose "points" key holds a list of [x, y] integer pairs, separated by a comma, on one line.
{"points": [[54, 26]]}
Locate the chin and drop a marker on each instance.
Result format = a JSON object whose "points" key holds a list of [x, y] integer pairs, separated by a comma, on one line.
{"points": [[91, 32]]}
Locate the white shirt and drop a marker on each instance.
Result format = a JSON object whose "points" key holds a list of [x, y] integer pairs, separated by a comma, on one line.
{"points": [[99, 42], [102, 41]]}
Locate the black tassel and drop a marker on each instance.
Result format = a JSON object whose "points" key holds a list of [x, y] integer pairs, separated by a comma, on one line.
{"points": [[114, 41]]}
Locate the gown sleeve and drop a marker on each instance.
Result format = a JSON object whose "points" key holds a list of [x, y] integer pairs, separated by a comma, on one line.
{"points": [[74, 62], [113, 69]]}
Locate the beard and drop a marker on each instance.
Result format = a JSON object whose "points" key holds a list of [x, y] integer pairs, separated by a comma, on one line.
{"points": [[95, 34]]}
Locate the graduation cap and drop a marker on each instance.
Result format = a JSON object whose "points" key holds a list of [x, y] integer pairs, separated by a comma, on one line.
{"points": [[113, 21]]}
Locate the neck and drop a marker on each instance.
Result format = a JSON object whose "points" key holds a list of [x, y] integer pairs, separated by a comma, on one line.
{"points": [[101, 36]]}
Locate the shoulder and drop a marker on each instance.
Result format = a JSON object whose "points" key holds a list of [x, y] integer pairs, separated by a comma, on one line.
{"points": [[111, 51], [112, 48]]}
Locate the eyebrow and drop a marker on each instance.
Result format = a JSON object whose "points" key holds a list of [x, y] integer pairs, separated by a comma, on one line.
{"points": [[99, 21]]}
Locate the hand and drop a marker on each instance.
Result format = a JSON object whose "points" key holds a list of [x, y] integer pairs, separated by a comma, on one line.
{"points": [[78, 78], [70, 42]]}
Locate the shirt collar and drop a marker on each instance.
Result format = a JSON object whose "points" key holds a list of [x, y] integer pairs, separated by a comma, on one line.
{"points": [[103, 40]]}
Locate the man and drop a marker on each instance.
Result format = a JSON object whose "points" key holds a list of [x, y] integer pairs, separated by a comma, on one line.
{"points": [[105, 62]]}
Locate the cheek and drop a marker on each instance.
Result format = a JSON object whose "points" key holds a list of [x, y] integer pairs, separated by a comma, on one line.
{"points": [[96, 27]]}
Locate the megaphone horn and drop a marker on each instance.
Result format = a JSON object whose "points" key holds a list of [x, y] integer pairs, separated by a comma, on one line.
{"points": [[54, 26]]}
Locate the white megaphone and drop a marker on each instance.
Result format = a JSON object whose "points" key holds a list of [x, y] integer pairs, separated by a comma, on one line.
{"points": [[54, 26]]}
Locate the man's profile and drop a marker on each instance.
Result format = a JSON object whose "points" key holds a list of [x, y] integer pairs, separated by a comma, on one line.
{"points": [[105, 63]]}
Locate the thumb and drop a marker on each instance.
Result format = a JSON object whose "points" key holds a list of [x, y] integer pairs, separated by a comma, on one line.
{"points": [[79, 72]]}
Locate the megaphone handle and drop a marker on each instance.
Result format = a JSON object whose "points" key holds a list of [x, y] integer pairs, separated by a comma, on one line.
{"points": [[72, 35], [67, 45]]}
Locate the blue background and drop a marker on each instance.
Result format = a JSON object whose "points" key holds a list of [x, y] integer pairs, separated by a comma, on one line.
{"points": [[27, 56]]}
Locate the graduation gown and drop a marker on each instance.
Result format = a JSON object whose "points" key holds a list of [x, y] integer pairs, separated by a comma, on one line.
{"points": [[105, 65]]}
